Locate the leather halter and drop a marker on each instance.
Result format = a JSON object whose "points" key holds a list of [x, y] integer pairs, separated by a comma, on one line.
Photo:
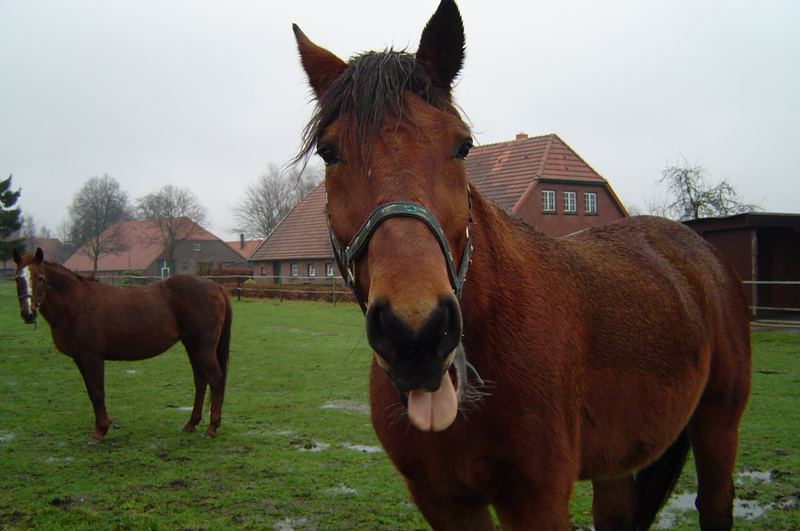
{"points": [[346, 256]]}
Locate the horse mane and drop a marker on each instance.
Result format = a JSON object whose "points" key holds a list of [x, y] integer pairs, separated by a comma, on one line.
{"points": [[63, 270], [373, 86]]}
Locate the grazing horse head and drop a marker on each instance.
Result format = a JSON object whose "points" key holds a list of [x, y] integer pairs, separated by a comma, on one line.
{"points": [[398, 203], [31, 283]]}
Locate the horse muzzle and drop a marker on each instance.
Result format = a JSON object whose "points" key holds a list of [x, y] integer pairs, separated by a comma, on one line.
{"points": [[420, 364], [29, 317]]}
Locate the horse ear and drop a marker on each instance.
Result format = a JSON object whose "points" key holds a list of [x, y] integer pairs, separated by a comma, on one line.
{"points": [[39, 255], [16, 256], [441, 47], [321, 66]]}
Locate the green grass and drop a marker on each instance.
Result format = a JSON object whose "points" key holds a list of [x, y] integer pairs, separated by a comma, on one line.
{"points": [[287, 361]]}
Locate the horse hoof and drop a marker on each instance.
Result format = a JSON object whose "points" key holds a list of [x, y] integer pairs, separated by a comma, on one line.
{"points": [[211, 433], [189, 427], [94, 439]]}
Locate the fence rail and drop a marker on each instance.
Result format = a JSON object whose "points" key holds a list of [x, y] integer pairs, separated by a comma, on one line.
{"points": [[333, 289]]}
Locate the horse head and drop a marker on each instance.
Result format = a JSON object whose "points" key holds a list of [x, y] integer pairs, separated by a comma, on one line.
{"points": [[30, 283], [398, 203]]}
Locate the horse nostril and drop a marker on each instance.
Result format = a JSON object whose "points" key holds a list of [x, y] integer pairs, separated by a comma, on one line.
{"points": [[386, 333], [441, 331]]}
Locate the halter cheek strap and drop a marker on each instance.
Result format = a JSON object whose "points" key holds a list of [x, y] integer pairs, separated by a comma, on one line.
{"points": [[346, 256]]}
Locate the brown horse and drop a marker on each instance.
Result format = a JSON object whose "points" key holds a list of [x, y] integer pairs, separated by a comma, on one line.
{"points": [[605, 354], [92, 322]]}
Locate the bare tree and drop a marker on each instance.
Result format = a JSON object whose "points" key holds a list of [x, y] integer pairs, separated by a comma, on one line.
{"points": [[32, 232], [272, 196], [94, 213], [693, 197], [175, 212]]}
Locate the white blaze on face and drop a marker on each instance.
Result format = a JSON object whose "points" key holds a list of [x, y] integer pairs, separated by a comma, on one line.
{"points": [[25, 278]]}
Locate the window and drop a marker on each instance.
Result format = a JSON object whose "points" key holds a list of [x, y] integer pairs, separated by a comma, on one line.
{"points": [[589, 203], [569, 203], [312, 270], [263, 271], [294, 270], [548, 201], [328, 269], [197, 248]]}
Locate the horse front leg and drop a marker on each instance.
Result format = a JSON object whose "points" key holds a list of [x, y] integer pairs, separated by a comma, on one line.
{"points": [[614, 503], [540, 505], [450, 513], [91, 368]]}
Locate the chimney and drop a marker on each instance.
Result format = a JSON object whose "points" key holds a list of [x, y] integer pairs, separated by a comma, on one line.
{"points": [[241, 240], [522, 136]]}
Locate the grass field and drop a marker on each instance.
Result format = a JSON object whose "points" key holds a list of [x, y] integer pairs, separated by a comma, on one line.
{"points": [[296, 448]]}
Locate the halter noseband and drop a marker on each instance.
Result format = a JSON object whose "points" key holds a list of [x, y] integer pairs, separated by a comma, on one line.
{"points": [[346, 256]]}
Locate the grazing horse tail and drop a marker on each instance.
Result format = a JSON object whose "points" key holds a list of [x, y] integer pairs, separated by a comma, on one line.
{"points": [[654, 483], [223, 344]]}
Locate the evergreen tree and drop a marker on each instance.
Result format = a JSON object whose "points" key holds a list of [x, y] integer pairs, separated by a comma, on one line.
{"points": [[10, 221]]}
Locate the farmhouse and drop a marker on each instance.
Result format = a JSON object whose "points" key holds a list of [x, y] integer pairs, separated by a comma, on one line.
{"points": [[143, 252], [761, 247], [540, 180]]}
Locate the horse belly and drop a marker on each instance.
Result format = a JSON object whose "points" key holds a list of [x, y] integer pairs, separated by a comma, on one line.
{"points": [[629, 424], [141, 336]]}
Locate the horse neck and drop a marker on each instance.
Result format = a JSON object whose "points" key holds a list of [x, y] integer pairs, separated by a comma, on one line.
{"points": [[63, 288], [512, 264]]}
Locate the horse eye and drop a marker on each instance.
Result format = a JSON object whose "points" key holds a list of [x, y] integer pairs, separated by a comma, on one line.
{"points": [[463, 149], [329, 154], [40, 278]]}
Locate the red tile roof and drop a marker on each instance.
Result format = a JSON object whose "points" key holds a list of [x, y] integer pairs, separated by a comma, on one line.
{"points": [[247, 250], [303, 233], [143, 248], [503, 172]]}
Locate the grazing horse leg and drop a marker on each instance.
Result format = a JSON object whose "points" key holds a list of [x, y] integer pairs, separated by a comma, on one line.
{"points": [[199, 395], [91, 368], [450, 514], [613, 503]]}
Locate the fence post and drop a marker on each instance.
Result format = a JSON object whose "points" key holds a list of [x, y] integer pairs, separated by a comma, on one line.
{"points": [[280, 287], [238, 288], [333, 278]]}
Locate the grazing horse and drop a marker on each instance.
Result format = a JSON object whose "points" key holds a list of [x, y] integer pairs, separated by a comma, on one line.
{"points": [[92, 322], [599, 356]]}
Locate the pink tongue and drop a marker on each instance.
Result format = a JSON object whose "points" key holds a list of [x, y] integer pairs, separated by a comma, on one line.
{"points": [[433, 411]]}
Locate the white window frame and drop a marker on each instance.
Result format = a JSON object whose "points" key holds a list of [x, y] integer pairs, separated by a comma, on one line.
{"points": [[295, 271], [328, 269], [570, 202], [312, 270], [548, 200], [590, 202]]}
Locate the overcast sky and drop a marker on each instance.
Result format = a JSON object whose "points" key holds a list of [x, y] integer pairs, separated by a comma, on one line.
{"points": [[206, 94]]}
